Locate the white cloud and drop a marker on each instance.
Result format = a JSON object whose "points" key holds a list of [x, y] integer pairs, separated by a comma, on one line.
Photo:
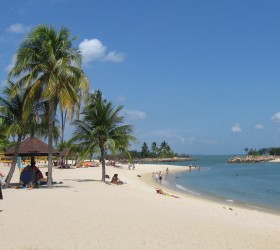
{"points": [[259, 126], [276, 117], [134, 114], [94, 50], [18, 28], [236, 128], [113, 56]]}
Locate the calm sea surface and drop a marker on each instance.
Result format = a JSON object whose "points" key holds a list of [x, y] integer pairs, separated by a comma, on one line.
{"points": [[256, 185]]}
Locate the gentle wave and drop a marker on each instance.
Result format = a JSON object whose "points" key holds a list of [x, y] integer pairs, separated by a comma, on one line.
{"points": [[255, 185], [185, 189]]}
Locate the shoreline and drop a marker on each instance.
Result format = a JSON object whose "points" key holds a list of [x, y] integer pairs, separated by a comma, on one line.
{"points": [[170, 187], [84, 213], [220, 200]]}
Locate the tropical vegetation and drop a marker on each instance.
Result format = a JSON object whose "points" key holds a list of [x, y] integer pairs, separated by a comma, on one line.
{"points": [[47, 63], [16, 122], [263, 151], [101, 127]]}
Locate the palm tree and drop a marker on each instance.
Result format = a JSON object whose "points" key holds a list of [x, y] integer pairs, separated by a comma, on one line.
{"points": [[163, 145], [101, 126], [145, 150], [14, 120], [154, 147], [48, 63]]}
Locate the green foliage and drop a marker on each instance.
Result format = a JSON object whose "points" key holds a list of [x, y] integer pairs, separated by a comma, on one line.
{"points": [[164, 151], [145, 150], [101, 127], [274, 151], [264, 151], [47, 63]]}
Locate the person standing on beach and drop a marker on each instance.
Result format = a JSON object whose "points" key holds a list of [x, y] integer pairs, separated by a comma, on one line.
{"points": [[160, 176], [157, 176], [2, 183], [167, 171]]}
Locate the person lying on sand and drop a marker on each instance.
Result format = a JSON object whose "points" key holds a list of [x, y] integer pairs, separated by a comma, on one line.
{"points": [[160, 191], [116, 180]]}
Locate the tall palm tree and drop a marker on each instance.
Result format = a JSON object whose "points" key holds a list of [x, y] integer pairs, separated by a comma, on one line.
{"points": [[101, 126], [48, 63]]}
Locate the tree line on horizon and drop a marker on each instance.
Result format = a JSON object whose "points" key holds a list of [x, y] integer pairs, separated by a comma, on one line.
{"points": [[46, 81], [263, 151]]}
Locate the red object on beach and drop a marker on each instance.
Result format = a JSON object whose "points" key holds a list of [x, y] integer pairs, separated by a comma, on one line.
{"points": [[89, 164]]}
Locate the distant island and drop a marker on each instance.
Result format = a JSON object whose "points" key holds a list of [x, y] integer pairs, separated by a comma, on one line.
{"points": [[159, 160], [156, 153], [252, 159], [255, 156]]}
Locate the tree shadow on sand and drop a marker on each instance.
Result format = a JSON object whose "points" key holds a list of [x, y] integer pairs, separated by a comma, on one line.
{"points": [[81, 180]]}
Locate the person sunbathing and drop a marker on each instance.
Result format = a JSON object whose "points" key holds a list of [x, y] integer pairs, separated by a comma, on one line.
{"points": [[116, 180], [160, 191]]}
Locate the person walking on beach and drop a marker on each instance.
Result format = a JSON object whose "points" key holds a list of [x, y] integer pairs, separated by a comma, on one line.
{"points": [[160, 176], [157, 176], [167, 171]]}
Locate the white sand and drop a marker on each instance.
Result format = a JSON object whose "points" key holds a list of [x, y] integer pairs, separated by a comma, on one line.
{"points": [[84, 213]]}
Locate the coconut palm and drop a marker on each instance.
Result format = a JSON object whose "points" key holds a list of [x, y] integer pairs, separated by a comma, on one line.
{"points": [[154, 147], [101, 126], [14, 120], [48, 63], [145, 150]]}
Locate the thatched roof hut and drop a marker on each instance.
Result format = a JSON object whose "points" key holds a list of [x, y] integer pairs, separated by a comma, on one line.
{"points": [[31, 147]]}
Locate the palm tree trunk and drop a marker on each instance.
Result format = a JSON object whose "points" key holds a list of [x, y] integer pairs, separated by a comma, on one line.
{"points": [[103, 163], [63, 122], [14, 162], [50, 141]]}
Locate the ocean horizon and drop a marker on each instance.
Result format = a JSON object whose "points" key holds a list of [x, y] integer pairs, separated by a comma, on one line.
{"points": [[253, 185]]}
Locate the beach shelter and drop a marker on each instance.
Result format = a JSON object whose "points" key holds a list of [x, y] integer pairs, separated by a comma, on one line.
{"points": [[31, 147]]}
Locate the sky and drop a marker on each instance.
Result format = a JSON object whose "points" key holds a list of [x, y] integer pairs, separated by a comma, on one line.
{"points": [[202, 75]]}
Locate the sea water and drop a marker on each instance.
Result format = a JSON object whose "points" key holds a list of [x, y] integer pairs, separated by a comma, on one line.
{"points": [[256, 185]]}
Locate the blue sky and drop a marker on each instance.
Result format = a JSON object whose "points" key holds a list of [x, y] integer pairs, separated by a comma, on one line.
{"points": [[202, 75]]}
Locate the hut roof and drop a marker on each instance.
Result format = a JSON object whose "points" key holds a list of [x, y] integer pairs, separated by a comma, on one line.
{"points": [[31, 146], [64, 152]]}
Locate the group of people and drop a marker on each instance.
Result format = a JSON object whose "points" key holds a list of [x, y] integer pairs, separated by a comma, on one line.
{"points": [[111, 163], [195, 166], [31, 176], [131, 166], [157, 176]]}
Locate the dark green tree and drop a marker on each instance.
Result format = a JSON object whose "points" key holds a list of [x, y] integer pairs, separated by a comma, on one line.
{"points": [[145, 150], [102, 126]]}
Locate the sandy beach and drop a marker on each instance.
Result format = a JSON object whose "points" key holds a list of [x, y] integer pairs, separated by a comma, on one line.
{"points": [[84, 213]]}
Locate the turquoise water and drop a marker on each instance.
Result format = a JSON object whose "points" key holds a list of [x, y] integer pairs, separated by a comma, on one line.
{"points": [[256, 185]]}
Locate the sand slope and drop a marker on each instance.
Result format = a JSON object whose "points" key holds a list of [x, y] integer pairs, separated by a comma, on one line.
{"points": [[83, 213]]}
